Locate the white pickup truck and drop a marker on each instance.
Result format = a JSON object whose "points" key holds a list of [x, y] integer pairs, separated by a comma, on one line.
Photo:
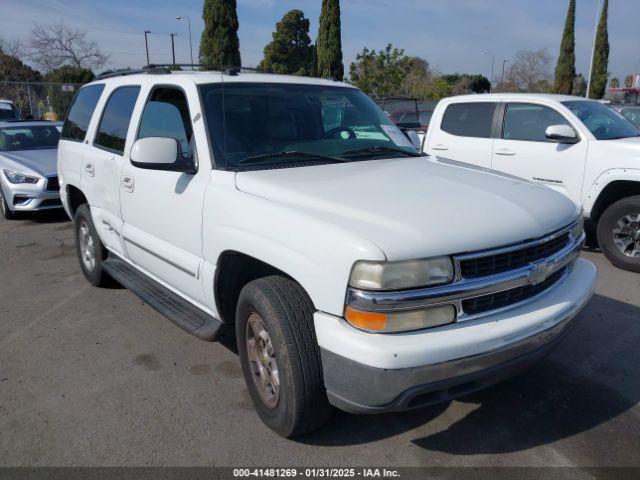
{"points": [[291, 213], [581, 148]]}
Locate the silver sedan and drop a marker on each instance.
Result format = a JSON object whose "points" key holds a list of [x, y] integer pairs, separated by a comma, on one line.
{"points": [[28, 167]]}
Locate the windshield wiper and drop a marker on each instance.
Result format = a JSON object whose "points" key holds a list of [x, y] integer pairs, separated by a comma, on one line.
{"points": [[291, 154], [379, 149]]}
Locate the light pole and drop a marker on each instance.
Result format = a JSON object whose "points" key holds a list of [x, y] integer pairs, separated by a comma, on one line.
{"points": [[190, 41], [173, 47], [146, 45], [504, 62], [493, 61], [593, 49]]}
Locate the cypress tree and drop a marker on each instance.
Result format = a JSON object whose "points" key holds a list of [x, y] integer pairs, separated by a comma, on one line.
{"points": [[290, 51], [220, 45], [329, 44], [566, 67], [600, 73]]}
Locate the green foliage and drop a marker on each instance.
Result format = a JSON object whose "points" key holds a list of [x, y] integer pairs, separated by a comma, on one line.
{"points": [[600, 72], [566, 66], [58, 100], [579, 86], [290, 51], [11, 68], [615, 82], [329, 43], [220, 45]]}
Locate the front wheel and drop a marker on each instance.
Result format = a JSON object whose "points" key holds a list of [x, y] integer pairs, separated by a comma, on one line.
{"points": [[91, 251], [619, 233], [4, 207], [280, 356]]}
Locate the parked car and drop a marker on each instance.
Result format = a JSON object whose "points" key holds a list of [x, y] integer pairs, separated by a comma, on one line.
{"points": [[351, 271], [29, 179], [581, 148], [629, 110], [409, 116], [8, 111]]}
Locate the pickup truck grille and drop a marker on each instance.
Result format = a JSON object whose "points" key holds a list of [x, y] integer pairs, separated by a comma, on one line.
{"points": [[52, 185], [495, 301], [503, 262]]}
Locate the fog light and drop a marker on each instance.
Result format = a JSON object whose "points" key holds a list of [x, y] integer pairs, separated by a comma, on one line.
{"points": [[395, 322]]}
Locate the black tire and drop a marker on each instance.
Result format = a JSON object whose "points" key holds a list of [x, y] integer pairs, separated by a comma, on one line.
{"points": [[287, 314], [4, 207], [96, 275], [608, 222]]}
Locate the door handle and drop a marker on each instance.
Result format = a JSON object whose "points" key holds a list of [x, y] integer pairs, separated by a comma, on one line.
{"points": [[506, 153], [90, 170], [440, 147], [127, 184]]}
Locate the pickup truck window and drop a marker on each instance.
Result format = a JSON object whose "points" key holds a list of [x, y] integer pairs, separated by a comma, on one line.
{"points": [[166, 114], [77, 122], [604, 122], [290, 125], [528, 122], [112, 132], [473, 119], [633, 114]]}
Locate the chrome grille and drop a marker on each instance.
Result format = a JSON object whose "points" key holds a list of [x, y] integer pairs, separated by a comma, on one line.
{"points": [[503, 262]]}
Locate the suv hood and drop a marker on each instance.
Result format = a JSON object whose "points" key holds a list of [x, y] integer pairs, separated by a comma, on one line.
{"points": [[414, 207], [42, 162]]}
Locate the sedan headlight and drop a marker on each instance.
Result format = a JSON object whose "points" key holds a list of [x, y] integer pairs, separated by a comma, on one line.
{"points": [[368, 275], [15, 177]]}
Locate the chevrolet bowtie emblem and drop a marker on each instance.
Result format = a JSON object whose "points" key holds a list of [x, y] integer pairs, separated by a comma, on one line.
{"points": [[539, 273]]}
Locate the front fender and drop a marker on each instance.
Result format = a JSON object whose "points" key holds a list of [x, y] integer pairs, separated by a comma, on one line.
{"points": [[606, 178]]}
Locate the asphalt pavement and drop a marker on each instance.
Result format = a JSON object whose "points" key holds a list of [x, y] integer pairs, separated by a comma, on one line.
{"points": [[95, 377]]}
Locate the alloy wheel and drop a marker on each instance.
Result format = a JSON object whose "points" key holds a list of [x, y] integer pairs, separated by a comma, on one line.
{"points": [[262, 361], [626, 235], [87, 246]]}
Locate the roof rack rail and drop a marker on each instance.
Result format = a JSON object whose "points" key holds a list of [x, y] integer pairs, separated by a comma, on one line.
{"points": [[151, 69], [227, 70]]}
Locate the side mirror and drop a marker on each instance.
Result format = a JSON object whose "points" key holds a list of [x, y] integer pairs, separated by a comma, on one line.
{"points": [[160, 153], [414, 138], [561, 134]]}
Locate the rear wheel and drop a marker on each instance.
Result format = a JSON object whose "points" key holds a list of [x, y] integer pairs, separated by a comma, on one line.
{"points": [[91, 251], [280, 356], [4, 207], [619, 233]]}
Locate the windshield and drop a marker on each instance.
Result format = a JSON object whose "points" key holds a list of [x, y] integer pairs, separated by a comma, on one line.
{"points": [[633, 114], [604, 122], [297, 125], [28, 138]]}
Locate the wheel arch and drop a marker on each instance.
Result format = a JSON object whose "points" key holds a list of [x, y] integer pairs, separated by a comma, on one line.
{"points": [[75, 198], [613, 191]]}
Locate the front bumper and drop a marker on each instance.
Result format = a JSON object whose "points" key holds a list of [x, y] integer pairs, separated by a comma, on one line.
{"points": [[30, 197], [367, 373]]}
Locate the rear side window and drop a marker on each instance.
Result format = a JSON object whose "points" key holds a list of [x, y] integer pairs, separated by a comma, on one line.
{"points": [[529, 122], [77, 122], [469, 119], [114, 125]]}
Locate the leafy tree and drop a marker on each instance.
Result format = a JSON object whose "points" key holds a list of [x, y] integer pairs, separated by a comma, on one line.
{"points": [[290, 51], [566, 66], [579, 85], [52, 46], [58, 100], [219, 45], [380, 74], [329, 43], [12, 69], [615, 82], [600, 74]]}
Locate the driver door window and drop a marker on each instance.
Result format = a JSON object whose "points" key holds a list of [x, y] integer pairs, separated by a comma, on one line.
{"points": [[529, 122]]}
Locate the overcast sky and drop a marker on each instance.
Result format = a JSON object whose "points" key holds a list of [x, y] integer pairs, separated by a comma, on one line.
{"points": [[450, 34]]}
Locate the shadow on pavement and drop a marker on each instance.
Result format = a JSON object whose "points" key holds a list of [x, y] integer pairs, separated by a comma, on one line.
{"points": [[590, 378]]}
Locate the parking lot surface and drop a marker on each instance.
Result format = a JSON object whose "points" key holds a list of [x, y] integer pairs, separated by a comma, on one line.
{"points": [[95, 377]]}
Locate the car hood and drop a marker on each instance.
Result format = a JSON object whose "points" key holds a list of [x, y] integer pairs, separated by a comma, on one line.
{"points": [[413, 208], [42, 162]]}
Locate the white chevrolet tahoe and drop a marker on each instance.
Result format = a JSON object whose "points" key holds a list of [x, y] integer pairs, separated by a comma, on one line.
{"points": [[291, 214], [579, 147]]}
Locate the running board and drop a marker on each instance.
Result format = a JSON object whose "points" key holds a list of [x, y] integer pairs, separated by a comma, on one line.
{"points": [[175, 308]]}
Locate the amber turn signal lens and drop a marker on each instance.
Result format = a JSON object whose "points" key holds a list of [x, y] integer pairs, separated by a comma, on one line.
{"points": [[366, 320]]}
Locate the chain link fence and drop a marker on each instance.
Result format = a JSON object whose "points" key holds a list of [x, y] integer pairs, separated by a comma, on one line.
{"points": [[39, 100]]}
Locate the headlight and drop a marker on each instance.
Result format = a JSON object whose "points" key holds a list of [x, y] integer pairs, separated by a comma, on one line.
{"points": [[578, 229], [15, 177], [395, 322], [369, 275]]}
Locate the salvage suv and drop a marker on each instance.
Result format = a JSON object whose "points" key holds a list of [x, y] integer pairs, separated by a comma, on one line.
{"points": [[291, 214]]}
